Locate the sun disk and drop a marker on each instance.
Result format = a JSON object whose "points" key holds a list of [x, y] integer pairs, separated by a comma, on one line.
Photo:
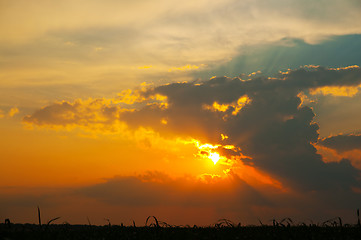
{"points": [[214, 157]]}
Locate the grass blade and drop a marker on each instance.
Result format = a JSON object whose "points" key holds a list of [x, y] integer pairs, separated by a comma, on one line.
{"points": [[155, 219], [39, 217], [52, 220]]}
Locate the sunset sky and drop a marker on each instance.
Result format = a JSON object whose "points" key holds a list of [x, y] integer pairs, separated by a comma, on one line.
{"points": [[191, 111]]}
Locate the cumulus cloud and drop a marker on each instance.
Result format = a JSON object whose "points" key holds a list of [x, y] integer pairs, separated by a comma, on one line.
{"points": [[91, 112], [271, 127], [78, 113]]}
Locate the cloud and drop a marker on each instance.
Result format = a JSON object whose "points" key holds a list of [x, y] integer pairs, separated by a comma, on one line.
{"points": [[99, 112], [77, 113], [271, 127], [288, 53], [305, 16], [225, 194], [264, 118], [13, 111], [193, 200], [109, 42], [185, 68], [159, 189], [152, 193], [342, 143]]}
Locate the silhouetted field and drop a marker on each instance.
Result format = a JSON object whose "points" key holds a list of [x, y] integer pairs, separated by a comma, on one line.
{"points": [[77, 232], [154, 229]]}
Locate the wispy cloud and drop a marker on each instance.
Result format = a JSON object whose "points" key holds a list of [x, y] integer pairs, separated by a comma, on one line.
{"points": [[98, 43]]}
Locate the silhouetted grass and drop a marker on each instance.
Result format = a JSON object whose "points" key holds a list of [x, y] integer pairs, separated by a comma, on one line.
{"points": [[155, 229], [65, 231]]}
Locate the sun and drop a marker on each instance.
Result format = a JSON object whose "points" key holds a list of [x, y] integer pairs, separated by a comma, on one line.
{"points": [[214, 156]]}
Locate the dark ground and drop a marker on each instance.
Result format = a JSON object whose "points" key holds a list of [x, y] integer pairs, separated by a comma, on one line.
{"points": [[66, 231]]}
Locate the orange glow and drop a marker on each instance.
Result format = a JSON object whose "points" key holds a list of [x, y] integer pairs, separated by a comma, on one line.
{"points": [[343, 68], [305, 99], [336, 91], [135, 96], [108, 111], [208, 151], [236, 106], [145, 67], [331, 155], [13, 111], [186, 67], [130, 97], [89, 155], [224, 136]]}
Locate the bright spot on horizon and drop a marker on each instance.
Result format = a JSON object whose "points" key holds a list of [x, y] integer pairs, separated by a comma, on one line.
{"points": [[214, 156]]}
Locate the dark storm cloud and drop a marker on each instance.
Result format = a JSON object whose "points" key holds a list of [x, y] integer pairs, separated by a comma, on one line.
{"points": [[159, 189], [155, 193], [272, 126], [342, 143], [226, 195], [274, 129]]}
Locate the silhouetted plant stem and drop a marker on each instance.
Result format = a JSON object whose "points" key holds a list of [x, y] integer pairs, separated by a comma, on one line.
{"points": [[39, 217]]}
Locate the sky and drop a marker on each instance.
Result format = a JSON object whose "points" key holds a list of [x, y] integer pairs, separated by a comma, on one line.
{"points": [[189, 111]]}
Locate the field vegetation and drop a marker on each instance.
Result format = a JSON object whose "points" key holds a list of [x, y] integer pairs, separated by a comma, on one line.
{"points": [[154, 229]]}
